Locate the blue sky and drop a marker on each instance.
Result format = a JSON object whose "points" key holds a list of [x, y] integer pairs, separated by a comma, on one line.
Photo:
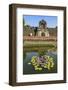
{"points": [[33, 20]]}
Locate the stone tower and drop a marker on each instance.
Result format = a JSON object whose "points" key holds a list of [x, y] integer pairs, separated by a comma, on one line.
{"points": [[42, 30]]}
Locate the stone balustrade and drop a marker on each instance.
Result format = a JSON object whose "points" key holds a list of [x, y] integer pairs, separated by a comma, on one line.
{"points": [[43, 38]]}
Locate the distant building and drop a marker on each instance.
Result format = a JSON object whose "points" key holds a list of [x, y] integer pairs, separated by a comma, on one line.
{"points": [[42, 29]]}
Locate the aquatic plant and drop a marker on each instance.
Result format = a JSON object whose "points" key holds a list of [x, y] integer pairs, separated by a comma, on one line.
{"points": [[41, 62]]}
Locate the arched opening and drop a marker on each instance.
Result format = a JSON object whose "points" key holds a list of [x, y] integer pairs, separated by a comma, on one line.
{"points": [[42, 34]]}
